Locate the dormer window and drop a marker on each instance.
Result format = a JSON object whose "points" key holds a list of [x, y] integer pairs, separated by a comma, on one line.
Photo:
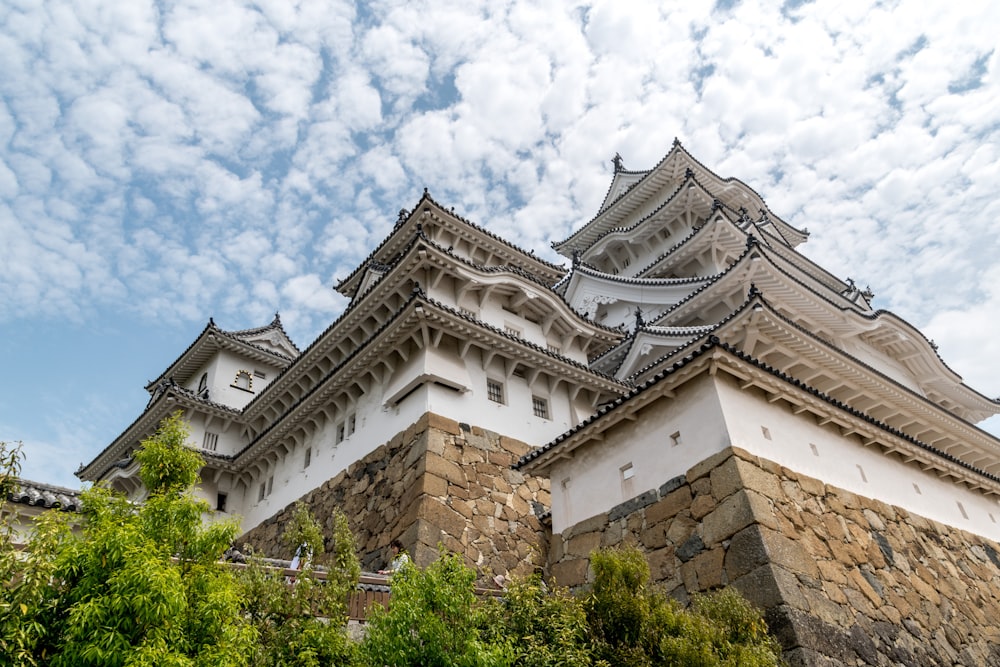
{"points": [[243, 380]]}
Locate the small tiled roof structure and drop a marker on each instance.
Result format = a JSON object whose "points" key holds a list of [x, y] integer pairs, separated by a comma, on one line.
{"points": [[45, 496]]}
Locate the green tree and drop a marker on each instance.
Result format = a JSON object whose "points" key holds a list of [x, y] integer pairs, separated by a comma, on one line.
{"points": [[26, 600], [434, 620], [302, 622], [541, 628], [633, 624], [142, 584]]}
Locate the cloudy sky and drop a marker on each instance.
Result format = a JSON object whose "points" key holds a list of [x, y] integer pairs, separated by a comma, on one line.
{"points": [[166, 162]]}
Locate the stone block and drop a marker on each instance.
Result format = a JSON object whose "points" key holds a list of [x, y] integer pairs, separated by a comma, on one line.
{"points": [[596, 522], [702, 505], [725, 478], [632, 505], [440, 423], [735, 513], [433, 485], [570, 573], [669, 506], [708, 567], [704, 467], [769, 586], [446, 519], [812, 486], [653, 538], [581, 546], [672, 485], [445, 469], [788, 553], [746, 552]]}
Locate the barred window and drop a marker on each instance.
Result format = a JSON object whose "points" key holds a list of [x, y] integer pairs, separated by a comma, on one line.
{"points": [[211, 441], [540, 406], [494, 391]]}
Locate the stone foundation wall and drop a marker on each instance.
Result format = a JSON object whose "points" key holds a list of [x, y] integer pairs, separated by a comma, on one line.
{"points": [[843, 579], [438, 482]]}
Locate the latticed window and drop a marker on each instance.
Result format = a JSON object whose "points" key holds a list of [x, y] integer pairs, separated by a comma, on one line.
{"points": [[540, 406], [211, 441], [494, 391]]}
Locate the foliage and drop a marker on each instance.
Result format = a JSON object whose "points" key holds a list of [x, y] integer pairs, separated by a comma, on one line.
{"points": [[302, 622], [26, 604], [434, 620], [542, 629], [140, 585], [632, 624]]}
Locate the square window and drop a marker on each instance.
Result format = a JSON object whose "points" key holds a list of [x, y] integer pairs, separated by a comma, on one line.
{"points": [[494, 391], [540, 406]]}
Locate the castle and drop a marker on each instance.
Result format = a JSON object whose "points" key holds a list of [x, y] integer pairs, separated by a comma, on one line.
{"points": [[691, 384]]}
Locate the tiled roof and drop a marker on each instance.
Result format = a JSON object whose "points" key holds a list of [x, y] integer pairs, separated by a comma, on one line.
{"points": [[47, 496], [713, 342], [427, 198]]}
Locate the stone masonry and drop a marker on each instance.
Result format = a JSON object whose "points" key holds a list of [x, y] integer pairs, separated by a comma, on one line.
{"points": [[843, 579], [438, 482]]}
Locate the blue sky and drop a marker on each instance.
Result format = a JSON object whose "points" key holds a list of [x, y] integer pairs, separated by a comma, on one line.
{"points": [[163, 163]]}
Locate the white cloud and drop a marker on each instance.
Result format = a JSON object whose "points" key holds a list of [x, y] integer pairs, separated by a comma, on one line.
{"points": [[233, 158]]}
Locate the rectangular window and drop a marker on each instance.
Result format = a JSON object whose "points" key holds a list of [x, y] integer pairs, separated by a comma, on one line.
{"points": [[494, 391], [540, 406], [259, 374], [512, 331], [468, 313], [554, 349], [350, 425], [309, 454], [270, 484], [628, 481], [220, 502], [340, 433], [211, 441], [262, 492]]}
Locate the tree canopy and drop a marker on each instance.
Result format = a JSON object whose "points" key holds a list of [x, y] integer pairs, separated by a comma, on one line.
{"points": [[142, 585]]}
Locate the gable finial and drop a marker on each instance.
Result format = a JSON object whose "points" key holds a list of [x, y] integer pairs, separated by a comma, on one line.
{"points": [[618, 163], [753, 291], [639, 322], [688, 172]]}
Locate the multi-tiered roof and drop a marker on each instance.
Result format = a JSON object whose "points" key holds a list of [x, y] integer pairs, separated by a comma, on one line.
{"points": [[685, 261]]}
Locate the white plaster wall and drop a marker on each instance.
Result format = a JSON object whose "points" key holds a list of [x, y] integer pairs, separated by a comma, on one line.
{"points": [[229, 441], [222, 374], [711, 414], [590, 482], [836, 461], [377, 423]]}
